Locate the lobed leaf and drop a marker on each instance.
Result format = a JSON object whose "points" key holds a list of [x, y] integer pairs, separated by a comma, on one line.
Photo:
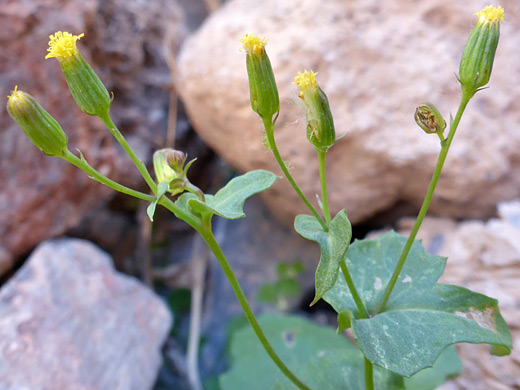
{"points": [[421, 317], [228, 202]]}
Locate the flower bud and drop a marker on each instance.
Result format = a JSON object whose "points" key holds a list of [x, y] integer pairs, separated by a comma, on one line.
{"points": [[176, 160], [163, 172], [37, 124], [430, 119], [262, 85], [320, 125], [479, 53], [87, 89]]}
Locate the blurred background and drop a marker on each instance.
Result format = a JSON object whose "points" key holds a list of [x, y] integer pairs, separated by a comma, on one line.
{"points": [[75, 257]]}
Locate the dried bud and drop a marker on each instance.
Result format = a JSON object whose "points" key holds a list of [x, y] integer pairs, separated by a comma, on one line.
{"points": [[87, 89], [429, 119], [479, 53], [320, 125], [262, 85], [37, 124]]}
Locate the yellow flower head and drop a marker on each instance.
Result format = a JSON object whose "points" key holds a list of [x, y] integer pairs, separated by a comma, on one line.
{"points": [[253, 44], [62, 45], [306, 80], [490, 14], [15, 94]]}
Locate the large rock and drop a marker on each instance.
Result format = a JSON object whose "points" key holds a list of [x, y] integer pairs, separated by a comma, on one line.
{"points": [[377, 60], [69, 321], [484, 257], [41, 196]]}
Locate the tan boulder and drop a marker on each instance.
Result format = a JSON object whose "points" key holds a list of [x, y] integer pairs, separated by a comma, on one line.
{"points": [[376, 60]]}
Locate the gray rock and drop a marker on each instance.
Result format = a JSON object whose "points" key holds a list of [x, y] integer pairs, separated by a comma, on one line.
{"points": [[69, 321], [376, 60]]}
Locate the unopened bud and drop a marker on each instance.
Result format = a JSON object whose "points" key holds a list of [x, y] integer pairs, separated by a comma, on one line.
{"points": [[479, 53], [320, 125], [87, 89], [176, 160], [37, 124], [430, 119], [262, 85], [163, 172]]}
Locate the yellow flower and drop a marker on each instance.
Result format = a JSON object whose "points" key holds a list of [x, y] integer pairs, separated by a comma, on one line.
{"points": [[253, 44], [15, 94], [490, 14], [306, 80], [62, 44], [320, 125]]}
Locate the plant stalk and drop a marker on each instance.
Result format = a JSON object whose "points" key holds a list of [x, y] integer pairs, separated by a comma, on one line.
{"points": [[363, 312], [122, 141], [96, 175], [322, 154], [369, 375], [208, 236], [445, 146], [269, 129]]}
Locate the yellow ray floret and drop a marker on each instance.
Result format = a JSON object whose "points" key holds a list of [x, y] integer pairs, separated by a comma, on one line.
{"points": [[15, 94], [252, 43], [62, 45], [306, 80], [491, 14]]}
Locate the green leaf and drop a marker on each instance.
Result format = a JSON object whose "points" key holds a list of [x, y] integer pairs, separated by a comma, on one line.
{"points": [[228, 202], [333, 245], [448, 365], [161, 190], [182, 203], [421, 317], [315, 354]]}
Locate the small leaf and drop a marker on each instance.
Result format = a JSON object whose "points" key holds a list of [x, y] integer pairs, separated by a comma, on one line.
{"points": [[344, 320], [161, 190], [229, 201], [333, 245], [421, 317], [315, 354]]}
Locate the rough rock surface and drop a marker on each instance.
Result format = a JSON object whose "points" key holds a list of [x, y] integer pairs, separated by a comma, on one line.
{"points": [[484, 257], [69, 321], [40, 196], [377, 60]]}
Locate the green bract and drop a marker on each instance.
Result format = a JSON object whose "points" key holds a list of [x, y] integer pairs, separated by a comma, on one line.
{"points": [[262, 85], [479, 53], [37, 124]]}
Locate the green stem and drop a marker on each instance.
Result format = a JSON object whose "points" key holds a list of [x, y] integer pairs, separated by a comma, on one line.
{"points": [[363, 312], [84, 166], [369, 375], [122, 141], [445, 146], [215, 248], [322, 154], [269, 129]]}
